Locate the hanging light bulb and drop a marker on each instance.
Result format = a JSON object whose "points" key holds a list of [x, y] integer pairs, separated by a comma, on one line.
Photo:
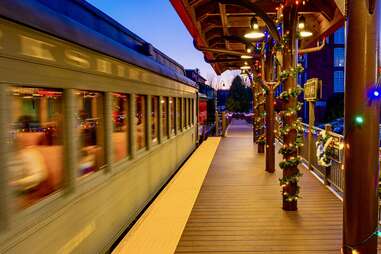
{"points": [[249, 48], [255, 33], [302, 28]]}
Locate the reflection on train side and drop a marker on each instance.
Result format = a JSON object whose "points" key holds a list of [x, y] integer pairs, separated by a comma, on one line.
{"points": [[37, 167], [91, 131]]}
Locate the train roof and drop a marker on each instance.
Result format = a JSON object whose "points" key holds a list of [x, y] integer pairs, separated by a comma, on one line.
{"points": [[79, 22]]}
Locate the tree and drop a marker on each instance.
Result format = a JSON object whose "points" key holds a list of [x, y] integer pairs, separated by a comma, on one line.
{"points": [[239, 96]]}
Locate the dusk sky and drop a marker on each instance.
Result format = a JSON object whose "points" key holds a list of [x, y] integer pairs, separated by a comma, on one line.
{"points": [[157, 22]]}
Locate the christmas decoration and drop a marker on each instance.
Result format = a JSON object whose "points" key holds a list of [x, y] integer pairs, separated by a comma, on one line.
{"points": [[324, 149]]}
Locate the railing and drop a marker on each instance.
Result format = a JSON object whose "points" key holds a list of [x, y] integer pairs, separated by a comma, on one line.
{"points": [[332, 176]]}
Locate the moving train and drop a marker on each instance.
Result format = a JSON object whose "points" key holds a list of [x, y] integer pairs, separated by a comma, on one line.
{"points": [[94, 122]]}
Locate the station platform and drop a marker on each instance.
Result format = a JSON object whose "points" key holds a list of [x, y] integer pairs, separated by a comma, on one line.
{"points": [[236, 208]]}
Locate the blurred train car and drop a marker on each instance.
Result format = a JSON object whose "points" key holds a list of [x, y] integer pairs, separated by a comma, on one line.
{"points": [[207, 99], [94, 121]]}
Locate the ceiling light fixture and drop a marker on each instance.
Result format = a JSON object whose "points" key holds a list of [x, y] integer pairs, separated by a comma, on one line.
{"points": [[255, 33], [246, 57], [302, 28]]}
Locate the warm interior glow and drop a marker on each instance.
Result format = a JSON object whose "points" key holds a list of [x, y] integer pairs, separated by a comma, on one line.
{"points": [[245, 67]]}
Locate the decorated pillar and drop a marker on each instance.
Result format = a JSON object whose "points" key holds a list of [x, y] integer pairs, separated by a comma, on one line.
{"points": [[270, 118], [254, 110], [361, 114], [289, 132]]}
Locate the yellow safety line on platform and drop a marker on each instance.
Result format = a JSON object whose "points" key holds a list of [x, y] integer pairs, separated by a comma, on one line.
{"points": [[159, 229]]}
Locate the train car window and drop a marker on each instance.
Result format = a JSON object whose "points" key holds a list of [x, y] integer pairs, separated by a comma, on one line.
{"points": [[90, 106], [164, 117], [189, 111], [183, 117], [155, 119], [120, 125], [172, 114], [192, 111], [140, 121], [178, 114], [36, 166]]}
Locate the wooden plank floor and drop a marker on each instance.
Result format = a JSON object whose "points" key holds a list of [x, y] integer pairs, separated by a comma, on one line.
{"points": [[238, 209]]}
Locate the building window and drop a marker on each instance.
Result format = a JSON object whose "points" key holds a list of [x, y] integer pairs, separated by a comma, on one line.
{"points": [[339, 36], [338, 81], [91, 128], [164, 116], [36, 167], [120, 125], [172, 113], [178, 113], [140, 119], [338, 56], [154, 117]]}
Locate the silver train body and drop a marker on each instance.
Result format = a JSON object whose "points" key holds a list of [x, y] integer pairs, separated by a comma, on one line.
{"points": [[43, 53]]}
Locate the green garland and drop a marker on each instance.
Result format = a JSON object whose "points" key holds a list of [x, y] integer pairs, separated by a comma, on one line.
{"points": [[289, 150], [293, 197], [259, 121], [291, 162], [295, 92], [290, 179], [261, 140], [292, 72]]}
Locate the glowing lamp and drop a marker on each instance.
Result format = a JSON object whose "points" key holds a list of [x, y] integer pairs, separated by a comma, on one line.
{"points": [[246, 67], [302, 28], [246, 57], [255, 33]]}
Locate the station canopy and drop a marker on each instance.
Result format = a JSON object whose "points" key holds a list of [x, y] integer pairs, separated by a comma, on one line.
{"points": [[218, 26]]}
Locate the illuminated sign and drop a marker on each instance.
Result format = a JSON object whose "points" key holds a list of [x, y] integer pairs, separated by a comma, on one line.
{"points": [[312, 89]]}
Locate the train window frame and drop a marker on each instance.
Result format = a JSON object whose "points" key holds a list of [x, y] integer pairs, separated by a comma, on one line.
{"points": [[157, 141], [103, 168], [179, 108], [145, 147], [172, 116], [127, 133], [11, 196], [164, 102], [193, 111]]}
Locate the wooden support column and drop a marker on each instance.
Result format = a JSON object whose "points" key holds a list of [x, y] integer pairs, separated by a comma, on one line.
{"points": [[261, 130], [361, 139], [254, 111], [270, 136], [270, 118], [261, 110], [290, 17]]}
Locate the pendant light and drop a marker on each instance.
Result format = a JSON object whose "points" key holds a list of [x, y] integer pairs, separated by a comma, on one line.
{"points": [[302, 28], [255, 33]]}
